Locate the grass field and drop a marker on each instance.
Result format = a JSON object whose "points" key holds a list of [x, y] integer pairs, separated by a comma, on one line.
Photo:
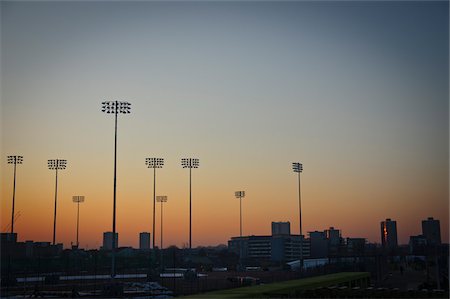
{"points": [[285, 287]]}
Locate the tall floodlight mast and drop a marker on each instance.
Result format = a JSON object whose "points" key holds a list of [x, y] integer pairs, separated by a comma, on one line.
{"points": [[56, 164], [154, 163], [162, 199], [298, 168], [115, 107], [78, 199], [240, 195], [190, 163], [14, 160]]}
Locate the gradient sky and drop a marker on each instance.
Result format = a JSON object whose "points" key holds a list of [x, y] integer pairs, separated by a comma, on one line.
{"points": [[356, 91]]}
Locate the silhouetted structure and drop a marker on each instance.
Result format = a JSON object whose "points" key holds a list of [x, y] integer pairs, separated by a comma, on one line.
{"points": [[334, 240], [154, 163], [388, 230], [431, 230], [240, 195], [417, 245], [281, 228], [319, 244], [14, 160], [190, 163], [115, 107], [356, 246], [277, 247], [78, 199], [108, 239], [144, 240], [56, 164], [161, 199], [298, 168]]}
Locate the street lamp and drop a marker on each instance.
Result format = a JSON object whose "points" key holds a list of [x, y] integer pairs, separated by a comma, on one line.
{"points": [[115, 107], [78, 200], [154, 163], [14, 160], [240, 195], [298, 168], [190, 163], [162, 199], [56, 164]]}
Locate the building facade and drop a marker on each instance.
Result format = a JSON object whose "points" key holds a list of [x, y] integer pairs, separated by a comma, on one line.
{"points": [[431, 230], [281, 228], [388, 229], [107, 240], [144, 240]]}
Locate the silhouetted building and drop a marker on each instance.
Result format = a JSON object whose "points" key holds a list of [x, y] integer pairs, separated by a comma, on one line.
{"points": [[107, 240], [144, 240], [334, 240], [287, 247], [281, 228], [417, 245], [389, 233], [252, 246], [356, 246], [8, 237], [431, 230], [318, 244], [281, 246]]}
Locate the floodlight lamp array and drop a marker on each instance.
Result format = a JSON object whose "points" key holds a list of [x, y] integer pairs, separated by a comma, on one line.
{"points": [[190, 163], [116, 107], [161, 198], [154, 162], [57, 164], [78, 198], [239, 194], [15, 159], [297, 167]]}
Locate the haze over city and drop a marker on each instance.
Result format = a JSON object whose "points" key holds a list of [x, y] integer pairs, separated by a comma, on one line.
{"points": [[356, 91]]}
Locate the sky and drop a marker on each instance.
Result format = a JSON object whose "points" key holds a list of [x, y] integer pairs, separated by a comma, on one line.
{"points": [[357, 91]]}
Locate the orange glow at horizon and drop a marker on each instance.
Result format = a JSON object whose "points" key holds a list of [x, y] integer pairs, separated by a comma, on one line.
{"points": [[215, 211]]}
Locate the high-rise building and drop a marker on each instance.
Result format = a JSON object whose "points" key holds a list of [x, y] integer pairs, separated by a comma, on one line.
{"points": [[281, 228], [319, 244], [389, 233], [334, 240], [431, 230], [107, 240], [144, 240]]}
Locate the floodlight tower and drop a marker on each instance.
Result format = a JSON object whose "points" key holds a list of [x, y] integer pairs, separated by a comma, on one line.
{"points": [[298, 168], [190, 163], [56, 164], [78, 199], [115, 107], [240, 195], [14, 160], [154, 163], [162, 199]]}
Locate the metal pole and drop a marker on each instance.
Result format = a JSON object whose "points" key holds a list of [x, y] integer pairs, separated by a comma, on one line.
{"points": [[13, 200], [161, 225], [56, 196], [161, 250], [190, 207], [300, 220], [113, 253], [240, 213], [154, 203], [78, 220]]}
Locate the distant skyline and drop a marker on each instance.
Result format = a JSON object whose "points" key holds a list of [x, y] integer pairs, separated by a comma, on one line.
{"points": [[357, 92]]}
